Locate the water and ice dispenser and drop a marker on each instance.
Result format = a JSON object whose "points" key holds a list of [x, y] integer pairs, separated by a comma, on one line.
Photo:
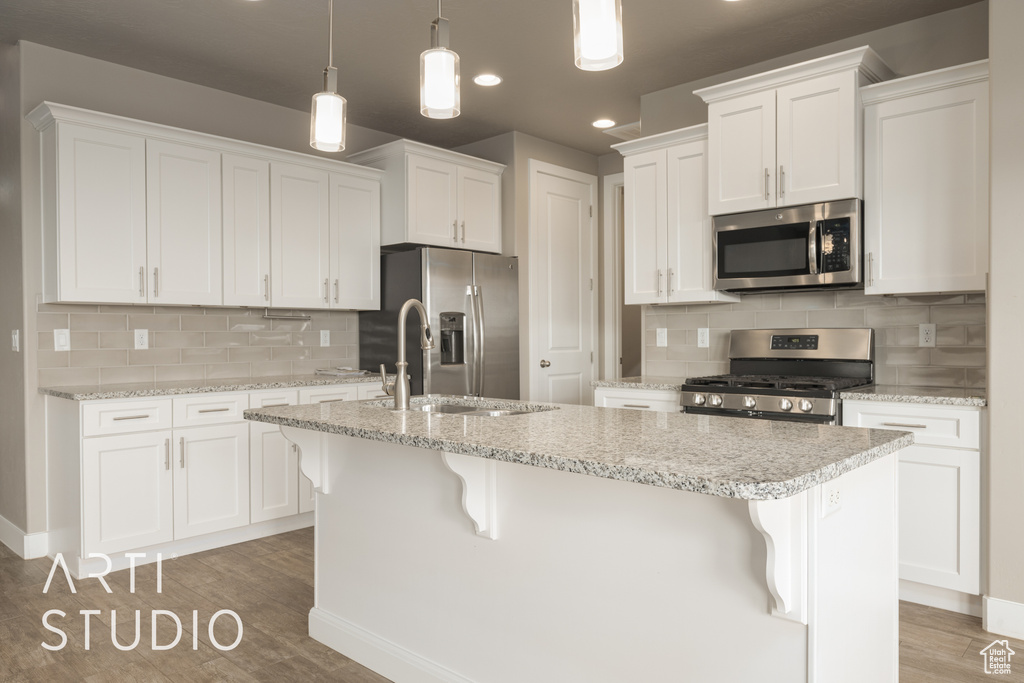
{"points": [[453, 338]]}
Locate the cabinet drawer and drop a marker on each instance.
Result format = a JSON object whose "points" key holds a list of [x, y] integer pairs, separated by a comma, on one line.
{"points": [[329, 394], [638, 399], [273, 399], [122, 417], [951, 426], [206, 409], [371, 391]]}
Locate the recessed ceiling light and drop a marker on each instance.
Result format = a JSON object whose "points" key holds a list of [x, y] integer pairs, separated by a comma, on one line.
{"points": [[604, 123], [487, 79]]}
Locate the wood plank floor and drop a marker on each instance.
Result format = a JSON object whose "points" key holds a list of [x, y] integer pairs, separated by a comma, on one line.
{"points": [[269, 583]]}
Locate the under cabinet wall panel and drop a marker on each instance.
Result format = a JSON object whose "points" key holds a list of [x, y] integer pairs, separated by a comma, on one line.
{"points": [[183, 224], [300, 236], [246, 230], [95, 215], [211, 479], [355, 242]]}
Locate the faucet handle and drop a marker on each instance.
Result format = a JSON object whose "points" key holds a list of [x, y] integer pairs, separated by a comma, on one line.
{"points": [[386, 386]]}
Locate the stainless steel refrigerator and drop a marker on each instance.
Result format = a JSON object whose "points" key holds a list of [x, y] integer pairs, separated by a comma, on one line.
{"points": [[473, 304]]}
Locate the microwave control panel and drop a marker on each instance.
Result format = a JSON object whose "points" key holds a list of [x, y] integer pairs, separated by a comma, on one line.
{"points": [[834, 244]]}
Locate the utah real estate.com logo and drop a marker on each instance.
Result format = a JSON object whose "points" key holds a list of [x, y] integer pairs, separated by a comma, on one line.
{"points": [[997, 657]]}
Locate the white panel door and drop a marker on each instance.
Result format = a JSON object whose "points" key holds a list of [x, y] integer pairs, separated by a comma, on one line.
{"points": [[817, 141], [432, 201], [299, 237], [561, 271], [246, 230], [741, 164], [644, 229], [183, 224], [101, 180], [479, 197], [127, 499], [273, 474], [355, 243], [211, 479]]}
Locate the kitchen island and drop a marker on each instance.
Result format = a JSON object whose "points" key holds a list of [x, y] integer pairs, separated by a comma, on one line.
{"points": [[470, 548]]}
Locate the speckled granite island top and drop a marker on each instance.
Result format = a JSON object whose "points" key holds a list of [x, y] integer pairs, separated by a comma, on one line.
{"points": [[720, 456], [942, 396], [645, 382], [174, 388]]}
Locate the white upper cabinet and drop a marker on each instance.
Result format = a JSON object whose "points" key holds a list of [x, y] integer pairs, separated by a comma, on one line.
{"points": [[436, 197], [355, 242], [926, 182], [183, 224], [94, 227], [667, 244], [246, 183], [789, 136], [300, 236]]}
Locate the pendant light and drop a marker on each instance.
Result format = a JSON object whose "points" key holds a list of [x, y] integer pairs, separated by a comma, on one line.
{"points": [[439, 74], [597, 33], [327, 121]]}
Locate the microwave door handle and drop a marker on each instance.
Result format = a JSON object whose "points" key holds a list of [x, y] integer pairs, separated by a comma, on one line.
{"points": [[812, 247]]}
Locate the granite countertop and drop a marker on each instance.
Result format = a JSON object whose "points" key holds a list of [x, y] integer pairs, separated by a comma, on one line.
{"points": [[721, 456], [197, 386], [645, 382], [927, 395]]}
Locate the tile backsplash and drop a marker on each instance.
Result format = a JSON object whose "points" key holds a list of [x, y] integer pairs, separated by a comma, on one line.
{"points": [[958, 359], [188, 343]]}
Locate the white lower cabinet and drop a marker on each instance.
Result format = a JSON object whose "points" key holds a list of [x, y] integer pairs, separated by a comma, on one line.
{"points": [[939, 490], [659, 400], [273, 463], [211, 479]]}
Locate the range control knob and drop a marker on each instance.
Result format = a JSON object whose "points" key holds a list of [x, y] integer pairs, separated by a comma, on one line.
{"points": [[749, 401], [715, 400], [805, 405], [785, 404], [698, 399]]}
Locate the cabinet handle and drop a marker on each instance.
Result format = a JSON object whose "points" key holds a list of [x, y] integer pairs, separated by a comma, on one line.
{"points": [[142, 281], [274, 405], [334, 400], [455, 231], [904, 425], [326, 292], [871, 263], [167, 454], [266, 287], [463, 232], [661, 274], [782, 182], [634, 405], [670, 282], [131, 417], [213, 410], [156, 282], [336, 291], [181, 461], [766, 176]]}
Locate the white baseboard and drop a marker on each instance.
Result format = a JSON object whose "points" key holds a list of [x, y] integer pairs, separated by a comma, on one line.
{"points": [[943, 598], [1003, 617], [27, 546], [375, 653]]}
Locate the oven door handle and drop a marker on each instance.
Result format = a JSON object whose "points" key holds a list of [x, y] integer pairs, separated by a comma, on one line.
{"points": [[812, 247]]}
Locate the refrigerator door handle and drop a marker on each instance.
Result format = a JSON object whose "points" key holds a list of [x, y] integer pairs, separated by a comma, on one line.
{"points": [[479, 319], [474, 357]]}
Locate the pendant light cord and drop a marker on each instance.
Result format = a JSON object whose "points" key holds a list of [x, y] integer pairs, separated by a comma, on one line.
{"points": [[438, 8], [330, 31]]}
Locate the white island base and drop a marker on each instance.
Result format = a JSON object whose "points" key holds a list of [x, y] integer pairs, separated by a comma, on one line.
{"points": [[564, 577]]}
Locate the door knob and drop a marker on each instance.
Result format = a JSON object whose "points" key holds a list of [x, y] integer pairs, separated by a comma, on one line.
{"points": [[545, 364]]}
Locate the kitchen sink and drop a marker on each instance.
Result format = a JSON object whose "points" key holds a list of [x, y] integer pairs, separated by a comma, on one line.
{"points": [[470, 406], [444, 408]]}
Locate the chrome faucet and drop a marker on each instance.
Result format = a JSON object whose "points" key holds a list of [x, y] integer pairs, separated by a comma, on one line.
{"points": [[400, 388]]}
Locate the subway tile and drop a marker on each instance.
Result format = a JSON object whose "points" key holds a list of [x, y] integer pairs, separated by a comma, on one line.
{"points": [[938, 300], [307, 367], [840, 317], [718, 345], [170, 339], [959, 357], [950, 335], [780, 319], [976, 378], [687, 353], [227, 370], [976, 335], [656, 352], [204, 355], [127, 309], [248, 354], [47, 322], [44, 341], [896, 315], [703, 308], [52, 359], [294, 325], [84, 340], [176, 310], [702, 369], [68, 377], [229, 338], [655, 318], [925, 376], [685, 321], [758, 302], [173, 373], [329, 352], [66, 308], [271, 368], [907, 336], [153, 322], [130, 374], [806, 301], [976, 298], [267, 338], [902, 355], [117, 340], [154, 357], [98, 358], [886, 374], [856, 298], [731, 320], [233, 311], [675, 337], [968, 314], [205, 323], [98, 321], [667, 368], [290, 353], [307, 338], [350, 337], [247, 324]]}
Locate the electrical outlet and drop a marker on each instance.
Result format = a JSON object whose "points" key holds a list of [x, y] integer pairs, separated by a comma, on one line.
{"points": [[325, 337], [15, 340], [831, 500], [62, 340], [662, 336], [926, 334], [703, 337], [141, 339]]}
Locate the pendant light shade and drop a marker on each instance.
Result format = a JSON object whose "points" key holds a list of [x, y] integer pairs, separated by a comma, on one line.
{"points": [[439, 74], [329, 112], [597, 33]]}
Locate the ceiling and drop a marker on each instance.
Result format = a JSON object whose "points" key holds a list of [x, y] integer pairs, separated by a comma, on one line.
{"points": [[275, 50]]}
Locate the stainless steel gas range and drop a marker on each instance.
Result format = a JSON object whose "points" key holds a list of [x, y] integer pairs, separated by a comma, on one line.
{"points": [[793, 375]]}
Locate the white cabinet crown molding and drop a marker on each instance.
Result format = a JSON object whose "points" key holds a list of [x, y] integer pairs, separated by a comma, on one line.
{"points": [[660, 140], [940, 79], [398, 147], [864, 59], [47, 113]]}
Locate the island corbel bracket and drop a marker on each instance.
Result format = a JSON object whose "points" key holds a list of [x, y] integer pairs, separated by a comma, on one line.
{"points": [[783, 523], [479, 490], [312, 455]]}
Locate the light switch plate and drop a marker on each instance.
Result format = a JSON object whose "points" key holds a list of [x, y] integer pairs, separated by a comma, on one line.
{"points": [[62, 340], [325, 337], [141, 339], [15, 340], [703, 337], [662, 336]]}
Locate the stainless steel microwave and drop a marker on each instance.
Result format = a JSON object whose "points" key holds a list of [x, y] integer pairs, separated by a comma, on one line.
{"points": [[816, 246]]}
